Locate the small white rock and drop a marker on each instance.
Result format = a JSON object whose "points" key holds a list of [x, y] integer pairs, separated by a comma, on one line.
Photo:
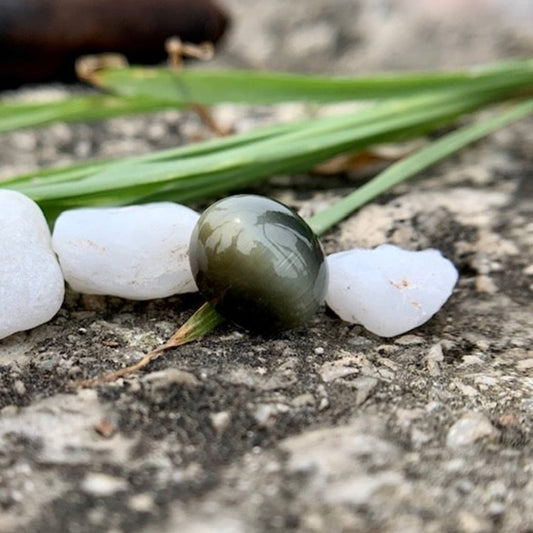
{"points": [[136, 252], [31, 283], [389, 290]]}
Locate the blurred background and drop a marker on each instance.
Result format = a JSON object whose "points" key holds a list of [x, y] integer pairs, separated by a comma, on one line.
{"points": [[349, 36], [40, 39]]}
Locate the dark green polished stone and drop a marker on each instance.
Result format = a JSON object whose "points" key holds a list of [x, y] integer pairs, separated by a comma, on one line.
{"points": [[258, 263]]}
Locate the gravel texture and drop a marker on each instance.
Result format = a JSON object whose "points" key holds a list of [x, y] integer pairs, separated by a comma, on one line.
{"points": [[324, 428]]}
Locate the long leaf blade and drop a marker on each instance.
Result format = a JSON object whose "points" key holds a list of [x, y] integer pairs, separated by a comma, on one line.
{"points": [[414, 164], [227, 163], [256, 87], [141, 90]]}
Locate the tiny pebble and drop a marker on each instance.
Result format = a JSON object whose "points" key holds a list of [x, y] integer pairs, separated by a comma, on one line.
{"points": [[169, 377], [525, 364], [32, 286], [455, 465], [265, 414], [485, 284], [470, 360], [409, 340], [303, 400], [105, 428], [340, 368], [142, 503], [100, 485], [528, 271], [47, 365], [136, 252], [386, 349], [389, 290], [508, 419], [19, 387], [323, 404], [220, 421], [496, 508], [467, 390], [433, 358], [470, 523], [364, 386], [470, 428]]}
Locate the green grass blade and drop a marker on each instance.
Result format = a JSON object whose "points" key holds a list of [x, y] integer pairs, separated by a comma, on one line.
{"points": [[412, 165], [312, 140], [141, 90], [80, 170], [256, 87], [75, 109], [198, 325], [192, 172]]}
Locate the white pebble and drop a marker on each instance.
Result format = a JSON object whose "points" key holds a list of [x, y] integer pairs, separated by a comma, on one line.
{"points": [[389, 290], [31, 284], [136, 252]]}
